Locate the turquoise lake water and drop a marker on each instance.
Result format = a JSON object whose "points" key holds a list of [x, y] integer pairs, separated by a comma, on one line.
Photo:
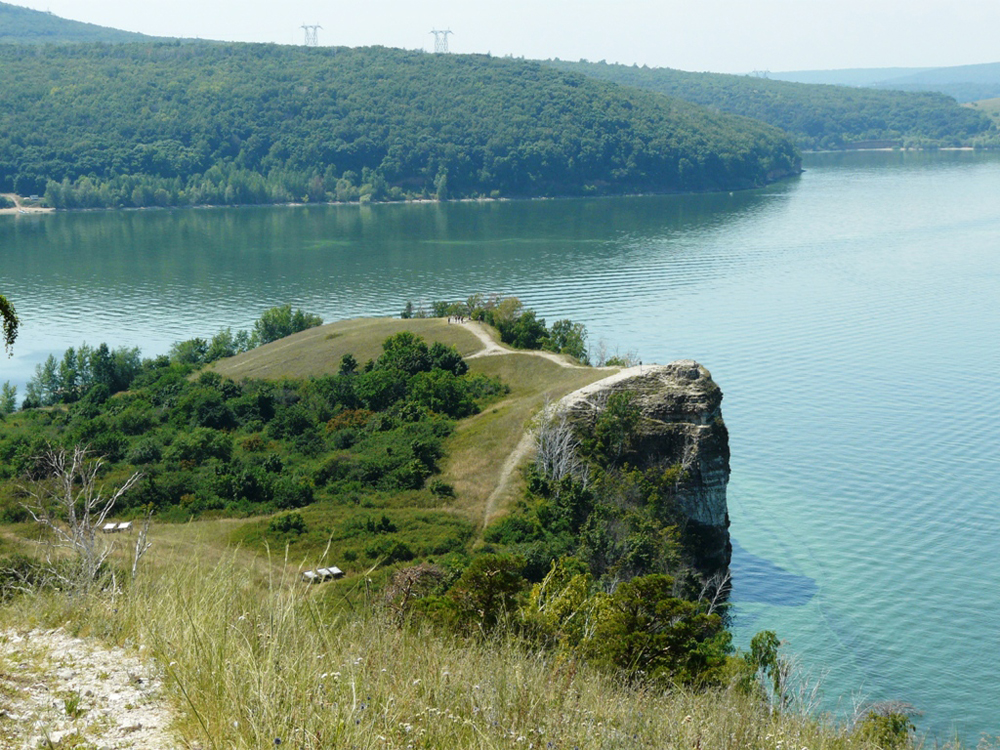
{"points": [[850, 316]]}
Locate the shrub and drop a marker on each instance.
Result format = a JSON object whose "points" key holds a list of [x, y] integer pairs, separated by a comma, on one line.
{"points": [[277, 322], [389, 551], [199, 445], [488, 590], [293, 492], [288, 524], [145, 451], [887, 726], [442, 489], [349, 418]]}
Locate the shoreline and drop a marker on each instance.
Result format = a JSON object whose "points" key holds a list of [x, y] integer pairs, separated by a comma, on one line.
{"points": [[900, 149], [408, 201], [20, 208]]}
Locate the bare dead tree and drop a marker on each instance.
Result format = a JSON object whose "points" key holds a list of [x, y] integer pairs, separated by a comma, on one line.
{"points": [[556, 448], [141, 544], [73, 506], [411, 583], [715, 589]]}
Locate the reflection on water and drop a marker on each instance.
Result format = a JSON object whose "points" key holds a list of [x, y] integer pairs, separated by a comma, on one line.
{"points": [[149, 278], [850, 316]]}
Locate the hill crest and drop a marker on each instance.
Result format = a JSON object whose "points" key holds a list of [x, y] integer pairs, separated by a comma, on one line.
{"points": [[19, 25]]}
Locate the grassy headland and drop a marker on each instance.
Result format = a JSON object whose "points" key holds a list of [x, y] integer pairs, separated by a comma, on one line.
{"points": [[253, 657]]}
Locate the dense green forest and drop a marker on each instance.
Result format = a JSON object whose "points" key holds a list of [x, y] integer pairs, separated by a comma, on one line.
{"points": [[182, 124], [213, 445], [26, 26], [817, 116]]}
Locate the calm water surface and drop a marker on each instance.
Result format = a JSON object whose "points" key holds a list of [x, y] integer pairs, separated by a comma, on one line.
{"points": [[849, 315]]}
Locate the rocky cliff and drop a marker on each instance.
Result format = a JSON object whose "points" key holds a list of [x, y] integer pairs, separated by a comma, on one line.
{"points": [[681, 424]]}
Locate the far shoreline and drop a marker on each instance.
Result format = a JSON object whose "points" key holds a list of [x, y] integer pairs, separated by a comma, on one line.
{"points": [[31, 208], [405, 201]]}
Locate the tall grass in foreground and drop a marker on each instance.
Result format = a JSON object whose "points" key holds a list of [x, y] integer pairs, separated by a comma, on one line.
{"points": [[253, 668]]}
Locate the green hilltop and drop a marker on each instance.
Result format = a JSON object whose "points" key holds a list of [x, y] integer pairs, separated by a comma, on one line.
{"points": [[817, 116], [26, 26], [208, 123]]}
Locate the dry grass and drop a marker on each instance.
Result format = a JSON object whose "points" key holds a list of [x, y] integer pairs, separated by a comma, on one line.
{"points": [[477, 452], [317, 351], [989, 107], [252, 666]]}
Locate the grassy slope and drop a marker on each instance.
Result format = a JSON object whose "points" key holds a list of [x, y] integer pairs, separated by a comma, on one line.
{"points": [[254, 666], [476, 453], [990, 107]]}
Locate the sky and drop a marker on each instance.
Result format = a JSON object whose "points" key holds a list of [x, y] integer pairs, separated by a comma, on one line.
{"points": [[726, 36]]}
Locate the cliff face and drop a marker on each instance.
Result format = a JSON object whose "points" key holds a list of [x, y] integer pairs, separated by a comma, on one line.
{"points": [[681, 424]]}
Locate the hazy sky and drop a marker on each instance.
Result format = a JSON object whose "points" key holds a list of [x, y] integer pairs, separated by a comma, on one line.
{"points": [[720, 35]]}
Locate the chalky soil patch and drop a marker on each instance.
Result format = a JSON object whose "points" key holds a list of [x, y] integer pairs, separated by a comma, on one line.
{"points": [[60, 692]]}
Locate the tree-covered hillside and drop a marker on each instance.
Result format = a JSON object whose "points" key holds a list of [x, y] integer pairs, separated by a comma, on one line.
{"points": [[817, 116], [26, 26], [166, 124]]}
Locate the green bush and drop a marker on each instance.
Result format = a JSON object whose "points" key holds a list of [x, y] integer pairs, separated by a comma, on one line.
{"points": [[288, 525], [145, 451], [389, 551], [199, 445]]}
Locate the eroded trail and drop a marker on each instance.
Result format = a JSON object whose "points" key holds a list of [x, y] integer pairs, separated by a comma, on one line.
{"points": [[526, 444], [493, 349]]}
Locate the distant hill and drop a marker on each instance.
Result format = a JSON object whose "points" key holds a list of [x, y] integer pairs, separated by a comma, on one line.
{"points": [[181, 124], [817, 116], [25, 26], [965, 83], [844, 76]]}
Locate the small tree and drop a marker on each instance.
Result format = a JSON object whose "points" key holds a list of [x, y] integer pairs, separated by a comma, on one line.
{"points": [[10, 322], [70, 503], [8, 398], [764, 673], [617, 427]]}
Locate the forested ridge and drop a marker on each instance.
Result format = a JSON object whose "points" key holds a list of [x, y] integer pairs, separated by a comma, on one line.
{"points": [[27, 26], [182, 124], [817, 116]]}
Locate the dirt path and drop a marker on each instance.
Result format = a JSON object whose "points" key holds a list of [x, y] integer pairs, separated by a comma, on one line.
{"points": [[20, 208], [526, 444], [60, 691], [493, 349], [521, 450]]}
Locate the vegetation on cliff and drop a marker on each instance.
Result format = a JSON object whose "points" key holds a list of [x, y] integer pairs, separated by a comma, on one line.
{"points": [[816, 116], [185, 124]]}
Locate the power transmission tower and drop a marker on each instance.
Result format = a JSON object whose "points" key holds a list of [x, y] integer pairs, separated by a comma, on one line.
{"points": [[312, 35], [441, 39]]}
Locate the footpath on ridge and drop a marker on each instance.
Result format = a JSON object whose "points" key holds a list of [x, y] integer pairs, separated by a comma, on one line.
{"points": [[526, 443]]}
